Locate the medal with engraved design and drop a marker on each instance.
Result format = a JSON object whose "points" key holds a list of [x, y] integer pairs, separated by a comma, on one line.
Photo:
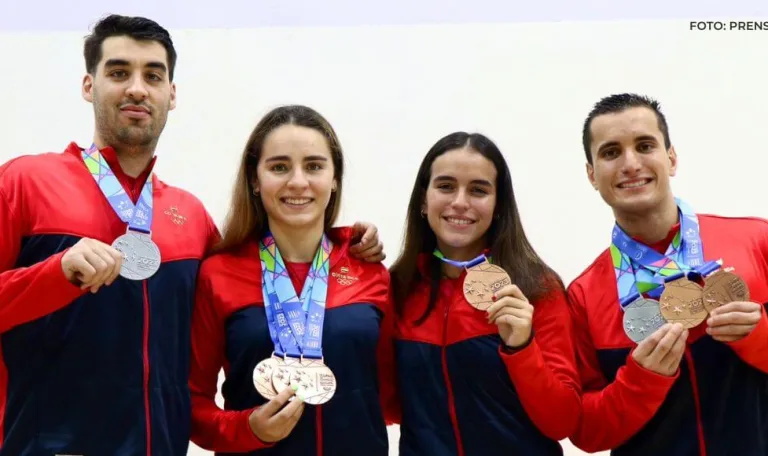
{"points": [[282, 372], [262, 377], [481, 282], [722, 288], [313, 381], [141, 256], [683, 302], [641, 318]]}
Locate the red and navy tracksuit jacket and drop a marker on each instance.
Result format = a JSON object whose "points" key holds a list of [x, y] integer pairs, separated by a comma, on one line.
{"points": [[230, 331], [462, 395], [716, 404], [83, 373]]}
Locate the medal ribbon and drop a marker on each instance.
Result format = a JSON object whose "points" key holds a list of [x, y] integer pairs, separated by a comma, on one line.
{"points": [[640, 269], [459, 264], [138, 216], [295, 324]]}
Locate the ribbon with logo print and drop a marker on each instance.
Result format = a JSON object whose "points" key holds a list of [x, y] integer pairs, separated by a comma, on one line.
{"points": [[295, 324], [642, 270], [138, 216]]}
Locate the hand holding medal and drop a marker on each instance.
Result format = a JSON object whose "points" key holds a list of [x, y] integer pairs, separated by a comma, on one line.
{"points": [[662, 351], [488, 287], [675, 279], [731, 315], [274, 420], [513, 314]]}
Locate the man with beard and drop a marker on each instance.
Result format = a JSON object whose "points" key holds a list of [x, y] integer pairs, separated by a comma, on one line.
{"points": [[98, 262]]}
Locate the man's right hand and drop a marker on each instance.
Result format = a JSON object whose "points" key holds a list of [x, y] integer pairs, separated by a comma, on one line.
{"points": [[91, 264], [274, 420], [662, 351]]}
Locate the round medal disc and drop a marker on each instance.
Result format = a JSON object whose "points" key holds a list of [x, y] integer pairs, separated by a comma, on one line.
{"points": [[314, 381], [262, 377], [141, 255], [682, 302], [642, 318], [722, 288], [481, 282]]}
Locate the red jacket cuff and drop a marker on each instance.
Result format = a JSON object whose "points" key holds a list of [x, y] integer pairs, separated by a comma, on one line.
{"points": [[522, 357], [647, 380]]}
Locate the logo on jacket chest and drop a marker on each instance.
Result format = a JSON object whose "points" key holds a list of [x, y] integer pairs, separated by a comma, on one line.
{"points": [[343, 277], [175, 216]]}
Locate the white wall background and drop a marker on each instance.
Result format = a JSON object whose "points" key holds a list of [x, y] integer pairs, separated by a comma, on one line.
{"points": [[393, 90]]}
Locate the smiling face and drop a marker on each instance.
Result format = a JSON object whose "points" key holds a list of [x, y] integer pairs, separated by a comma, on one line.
{"points": [[131, 92], [295, 177], [460, 202], [631, 166]]}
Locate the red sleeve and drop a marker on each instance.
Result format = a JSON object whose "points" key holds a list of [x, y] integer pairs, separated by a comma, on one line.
{"points": [[544, 372], [753, 348], [611, 413], [213, 429], [390, 402], [28, 293]]}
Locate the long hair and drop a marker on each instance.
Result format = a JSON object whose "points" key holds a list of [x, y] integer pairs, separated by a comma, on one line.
{"points": [[247, 218], [508, 244]]}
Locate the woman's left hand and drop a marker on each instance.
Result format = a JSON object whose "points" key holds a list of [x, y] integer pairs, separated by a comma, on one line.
{"points": [[513, 314]]}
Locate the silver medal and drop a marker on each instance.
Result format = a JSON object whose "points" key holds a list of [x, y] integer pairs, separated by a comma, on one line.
{"points": [[142, 256], [642, 318]]}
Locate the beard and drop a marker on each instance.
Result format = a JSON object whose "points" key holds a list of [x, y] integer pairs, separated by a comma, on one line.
{"points": [[116, 133]]}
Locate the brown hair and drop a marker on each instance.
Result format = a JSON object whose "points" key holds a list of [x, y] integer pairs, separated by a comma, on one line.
{"points": [[509, 246], [247, 218]]}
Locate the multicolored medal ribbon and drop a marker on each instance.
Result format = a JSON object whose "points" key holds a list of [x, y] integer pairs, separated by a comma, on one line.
{"points": [[483, 279], [142, 256], [295, 327], [669, 281]]}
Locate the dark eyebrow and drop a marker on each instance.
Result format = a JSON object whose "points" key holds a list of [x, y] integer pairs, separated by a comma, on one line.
{"points": [[482, 182], [287, 158], [645, 138], [122, 62]]}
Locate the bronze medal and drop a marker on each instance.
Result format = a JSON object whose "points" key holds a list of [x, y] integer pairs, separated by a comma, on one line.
{"points": [[683, 302], [262, 377], [722, 288], [313, 381], [481, 282]]}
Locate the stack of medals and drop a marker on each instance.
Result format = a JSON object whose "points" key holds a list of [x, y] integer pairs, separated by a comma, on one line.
{"points": [[483, 279], [655, 289], [295, 327], [141, 256]]}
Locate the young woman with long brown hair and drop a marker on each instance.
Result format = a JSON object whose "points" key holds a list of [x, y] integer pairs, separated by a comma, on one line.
{"points": [[484, 357], [300, 324]]}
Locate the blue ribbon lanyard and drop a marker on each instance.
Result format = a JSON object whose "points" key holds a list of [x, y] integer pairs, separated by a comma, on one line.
{"points": [[642, 270], [138, 216]]}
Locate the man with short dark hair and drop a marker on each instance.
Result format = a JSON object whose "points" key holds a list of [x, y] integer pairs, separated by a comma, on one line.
{"points": [[98, 262], [670, 327]]}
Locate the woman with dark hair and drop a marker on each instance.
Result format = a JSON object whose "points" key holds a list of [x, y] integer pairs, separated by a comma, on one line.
{"points": [[484, 358], [300, 324]]}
